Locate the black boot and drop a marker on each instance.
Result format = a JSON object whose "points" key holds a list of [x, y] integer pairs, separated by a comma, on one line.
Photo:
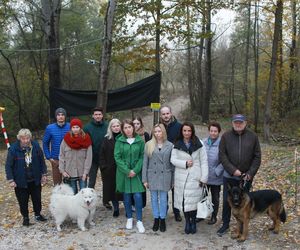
{"points": [[187, 228], [162, 226], [212, 220], [193, 225], [26, 222], [155, 224]]}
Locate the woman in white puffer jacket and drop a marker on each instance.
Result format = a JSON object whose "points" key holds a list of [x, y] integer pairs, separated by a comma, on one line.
{"points": [[191, 172]]}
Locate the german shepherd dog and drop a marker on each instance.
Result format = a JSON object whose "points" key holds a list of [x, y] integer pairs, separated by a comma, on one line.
{"points": [[245, 206]]}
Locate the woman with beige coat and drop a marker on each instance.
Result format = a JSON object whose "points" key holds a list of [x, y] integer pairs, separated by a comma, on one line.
{"points": [[75, 158], [191, 172]]}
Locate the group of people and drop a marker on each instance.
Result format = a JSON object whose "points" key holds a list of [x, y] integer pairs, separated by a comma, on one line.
{"points": [[131, 161]]}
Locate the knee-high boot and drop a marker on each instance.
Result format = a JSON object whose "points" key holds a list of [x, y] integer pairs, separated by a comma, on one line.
{"points": [[187, 217], [193, 223]]}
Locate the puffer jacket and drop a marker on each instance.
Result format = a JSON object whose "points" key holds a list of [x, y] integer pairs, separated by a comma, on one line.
{"points": [[215, 168], [75, 162], [187, 180]]}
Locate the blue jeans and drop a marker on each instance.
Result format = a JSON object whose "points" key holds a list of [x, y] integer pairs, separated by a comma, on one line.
{"points": [[74, 181], [159, 202], [138, 201]]}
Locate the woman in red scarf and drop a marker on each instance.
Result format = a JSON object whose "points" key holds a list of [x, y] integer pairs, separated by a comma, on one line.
{"points": [[75, 157]]}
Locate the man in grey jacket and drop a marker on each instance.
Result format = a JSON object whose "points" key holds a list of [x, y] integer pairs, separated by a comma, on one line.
{"points": [[240, 155]]}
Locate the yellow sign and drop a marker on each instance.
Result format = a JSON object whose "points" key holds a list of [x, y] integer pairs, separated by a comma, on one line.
{"points": [[155, 106]]}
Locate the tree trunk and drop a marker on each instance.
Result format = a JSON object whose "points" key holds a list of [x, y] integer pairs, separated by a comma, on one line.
{"points": [[157, 36], [51, 15], [256, 62], [293, 60], [189, 64], [273, 67], [246, 63], [106, 55], [200, 87], [208, 77]]}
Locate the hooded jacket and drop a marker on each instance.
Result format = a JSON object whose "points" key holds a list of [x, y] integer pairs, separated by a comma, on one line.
{"points": [[129, 157]]}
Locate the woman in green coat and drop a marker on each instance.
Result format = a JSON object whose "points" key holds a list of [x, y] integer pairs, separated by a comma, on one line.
{"points": [[129, 155]]}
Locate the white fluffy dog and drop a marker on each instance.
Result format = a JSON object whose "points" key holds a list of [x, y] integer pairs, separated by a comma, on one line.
{"points": [[80, 207]]}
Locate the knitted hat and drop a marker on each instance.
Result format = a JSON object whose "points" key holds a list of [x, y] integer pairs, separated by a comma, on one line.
{"points": [[75, 122], [60, 110]]}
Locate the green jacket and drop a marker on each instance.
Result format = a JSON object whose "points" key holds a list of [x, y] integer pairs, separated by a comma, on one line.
{"points": [[129, 157], [97, 131]]}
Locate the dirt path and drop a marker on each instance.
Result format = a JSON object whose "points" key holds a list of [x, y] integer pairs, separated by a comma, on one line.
{"points": [[109, 232]]}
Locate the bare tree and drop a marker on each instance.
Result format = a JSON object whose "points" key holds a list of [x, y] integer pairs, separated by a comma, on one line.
{"points": [[273, 68], [106, 55], [208, 73], [51, 16], [256, 63], [246, 63]]}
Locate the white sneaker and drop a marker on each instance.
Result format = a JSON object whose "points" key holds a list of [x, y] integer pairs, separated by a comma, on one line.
{"points": [[129, 223], [140, 227]]}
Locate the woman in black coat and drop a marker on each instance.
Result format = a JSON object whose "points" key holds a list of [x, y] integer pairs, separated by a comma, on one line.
{"points": [[108, 165]]}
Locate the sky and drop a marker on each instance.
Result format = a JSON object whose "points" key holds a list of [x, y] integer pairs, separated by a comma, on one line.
{"points": [[223, 23]]}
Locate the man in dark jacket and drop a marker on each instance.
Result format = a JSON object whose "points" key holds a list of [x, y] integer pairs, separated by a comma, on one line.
{"points": [[173, 130], [97, 129], [240, 155]]}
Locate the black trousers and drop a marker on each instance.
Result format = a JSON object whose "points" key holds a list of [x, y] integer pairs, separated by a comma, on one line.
{"points": [[22, 194], [226, 214], [93, 176], [215, 197]]}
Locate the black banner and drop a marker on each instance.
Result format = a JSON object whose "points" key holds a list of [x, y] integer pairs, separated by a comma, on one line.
{"points": [[81, 102]]}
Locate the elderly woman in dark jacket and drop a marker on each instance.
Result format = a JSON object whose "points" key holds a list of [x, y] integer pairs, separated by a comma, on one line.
{"points": [[25, 171], [108, 165], [215, 168], [158, 174]]}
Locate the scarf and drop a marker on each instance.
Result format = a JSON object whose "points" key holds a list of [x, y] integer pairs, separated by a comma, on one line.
{"points": [[78, 142], [28, 156]]}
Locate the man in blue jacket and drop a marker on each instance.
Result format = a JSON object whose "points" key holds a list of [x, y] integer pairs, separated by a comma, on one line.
{"points": [[173, 130], [52, 139]]}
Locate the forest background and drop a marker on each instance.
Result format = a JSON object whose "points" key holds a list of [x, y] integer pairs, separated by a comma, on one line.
{"points": [[89, 45]]}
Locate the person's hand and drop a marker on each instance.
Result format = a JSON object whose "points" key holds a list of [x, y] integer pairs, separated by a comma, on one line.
{"points": [[131, 174], [84, 177], [146, 185], [12, 184], [65, 174], [44, 180], [246, 177], [189, 163], [202, 184], [237, 173]]}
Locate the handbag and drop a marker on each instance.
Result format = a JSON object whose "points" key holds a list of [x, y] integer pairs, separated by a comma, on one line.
{"points": [[205, 205]]}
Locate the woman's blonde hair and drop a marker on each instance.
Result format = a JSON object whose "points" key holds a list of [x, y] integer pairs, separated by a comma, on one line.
{"points": [[109, 133], [150, 145], [24, 132]]}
